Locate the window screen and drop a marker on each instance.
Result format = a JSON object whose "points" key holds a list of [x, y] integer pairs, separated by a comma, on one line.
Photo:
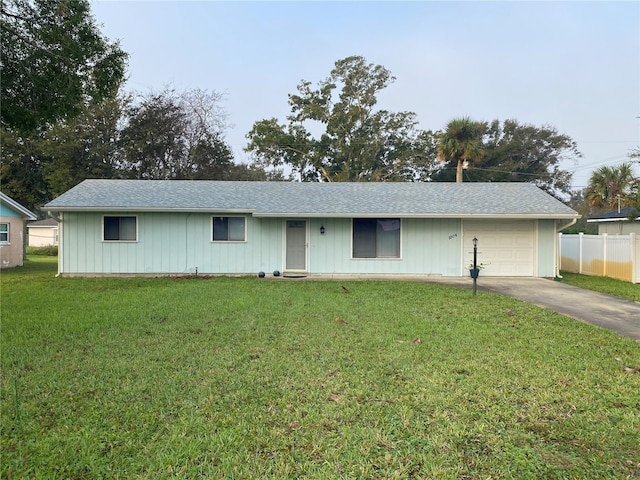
{"points": [[121, 229], [228, 229], [376, 238]]}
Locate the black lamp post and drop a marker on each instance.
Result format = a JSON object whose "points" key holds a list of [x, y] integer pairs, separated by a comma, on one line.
{"points": [[475, 264]]}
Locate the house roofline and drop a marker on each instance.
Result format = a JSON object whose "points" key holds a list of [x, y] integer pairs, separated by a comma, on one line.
{"points": [[616, 219], [466, 216], [506, 216], [28, 214], [148, 210]]}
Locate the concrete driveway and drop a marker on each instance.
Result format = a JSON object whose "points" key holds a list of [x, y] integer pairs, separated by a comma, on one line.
{"points": [[613, 313]]}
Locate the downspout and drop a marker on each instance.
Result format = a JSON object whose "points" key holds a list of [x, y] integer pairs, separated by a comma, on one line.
{"points": [[556, 242]]}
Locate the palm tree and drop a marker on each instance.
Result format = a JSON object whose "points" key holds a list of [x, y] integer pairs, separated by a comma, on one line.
{"points": [[461, 142], [610, 185]]}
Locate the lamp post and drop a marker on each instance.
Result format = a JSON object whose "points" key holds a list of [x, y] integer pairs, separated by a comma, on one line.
{"points": [[475, 264]]}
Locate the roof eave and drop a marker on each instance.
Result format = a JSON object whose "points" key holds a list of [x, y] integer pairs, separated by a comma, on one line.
{"points": [[507, 216], [617, 219], [147, 209], [26, 213]]}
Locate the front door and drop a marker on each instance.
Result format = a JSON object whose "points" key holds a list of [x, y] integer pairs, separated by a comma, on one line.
{"points": [[296, 251]]}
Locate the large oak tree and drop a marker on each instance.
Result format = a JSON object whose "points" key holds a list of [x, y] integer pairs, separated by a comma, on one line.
{"points": [[335, 133]]}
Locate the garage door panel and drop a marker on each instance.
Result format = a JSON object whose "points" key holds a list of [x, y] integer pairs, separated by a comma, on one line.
{"points": [[505, 248]]}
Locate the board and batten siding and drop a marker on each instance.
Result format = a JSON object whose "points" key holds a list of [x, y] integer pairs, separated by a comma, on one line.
{"points": [[428, 246], [168, 243], [180, 243], [547, 245]]}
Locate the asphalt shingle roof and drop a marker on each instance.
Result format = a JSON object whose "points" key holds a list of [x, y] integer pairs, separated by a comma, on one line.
{"points": [[314, 199], [47, 222], [623, 214]]}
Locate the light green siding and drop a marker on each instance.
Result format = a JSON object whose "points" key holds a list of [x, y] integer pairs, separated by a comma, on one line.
{"points": [[429, 246], [176, 243], [180, 243], [546, 248]]}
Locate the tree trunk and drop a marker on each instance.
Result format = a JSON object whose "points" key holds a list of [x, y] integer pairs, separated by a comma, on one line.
{"points": [[459, 172]]}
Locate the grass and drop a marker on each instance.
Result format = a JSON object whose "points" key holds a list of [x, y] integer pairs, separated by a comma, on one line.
{"points": [[246, 378], [607, 285]]}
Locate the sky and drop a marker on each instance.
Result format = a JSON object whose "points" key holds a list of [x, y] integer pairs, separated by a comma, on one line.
{"points": [[571, 65]]}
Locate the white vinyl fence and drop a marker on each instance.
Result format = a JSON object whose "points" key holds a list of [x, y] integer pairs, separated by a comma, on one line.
{"points": [[616, 256]]}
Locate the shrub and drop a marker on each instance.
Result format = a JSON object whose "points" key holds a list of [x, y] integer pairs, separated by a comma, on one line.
{"points": [[50, 251]]}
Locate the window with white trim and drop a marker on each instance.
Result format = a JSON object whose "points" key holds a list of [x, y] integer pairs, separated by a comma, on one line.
{"points": [[4, 232], [120, 229], [376, 238], [229, 229]]}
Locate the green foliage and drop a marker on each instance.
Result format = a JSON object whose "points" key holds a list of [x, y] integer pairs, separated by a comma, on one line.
{"points": [[166, 135], [248, 378], [514, 152], [171, 135], [54, 58], [84, 146], [576, 201], [50, 251], [356, 143], [461, 142], [22, 168], [610, 185]]}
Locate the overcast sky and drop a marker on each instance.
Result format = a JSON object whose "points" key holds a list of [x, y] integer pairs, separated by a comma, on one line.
{"points": [[572, 65]]}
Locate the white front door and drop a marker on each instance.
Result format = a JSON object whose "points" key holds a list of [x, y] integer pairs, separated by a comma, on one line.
{"points": [[296, 245]]}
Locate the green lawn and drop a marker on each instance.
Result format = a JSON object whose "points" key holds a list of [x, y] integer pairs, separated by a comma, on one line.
{"points": [[247, 378], [606, 285]]}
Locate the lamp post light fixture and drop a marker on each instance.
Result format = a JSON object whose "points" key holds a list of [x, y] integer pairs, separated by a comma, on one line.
{"points": [[475, 264]]}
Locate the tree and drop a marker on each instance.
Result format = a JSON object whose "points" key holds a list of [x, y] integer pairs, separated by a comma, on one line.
{"points": [[55, 64], [22, 169], [611, 186], [54, 61], [85, 146], [171, 136], [515, 152], [355, 142], [461, 143], [154, 143]]}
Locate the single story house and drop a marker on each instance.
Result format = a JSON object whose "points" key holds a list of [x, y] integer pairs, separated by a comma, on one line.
{"points": [[212, 227], [43, 233], [617, 222], [12, 218]]}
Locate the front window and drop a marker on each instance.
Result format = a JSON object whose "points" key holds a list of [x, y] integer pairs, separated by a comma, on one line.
{"points": [[4, 233], [376, 238], [228, 229], [120, 229]]}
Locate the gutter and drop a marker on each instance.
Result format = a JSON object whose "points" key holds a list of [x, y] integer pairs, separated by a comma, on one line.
{"points": [[557, 245], [52, 209]]}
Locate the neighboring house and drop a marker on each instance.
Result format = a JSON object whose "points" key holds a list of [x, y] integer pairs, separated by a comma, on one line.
{"points": [[12, 218], [211, 227], [616, 222], [43, 233]]}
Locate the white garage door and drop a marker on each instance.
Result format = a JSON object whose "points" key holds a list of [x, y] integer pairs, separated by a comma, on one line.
{"points": [[505, 247]]}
